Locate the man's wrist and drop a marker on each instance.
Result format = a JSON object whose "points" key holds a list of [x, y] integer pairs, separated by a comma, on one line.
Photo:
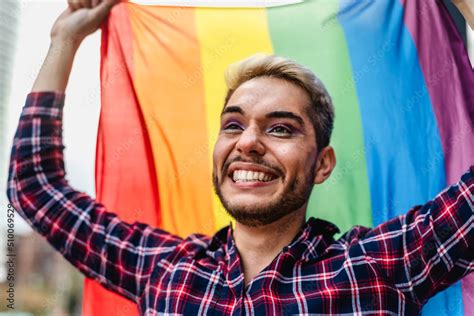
{"points": [[64, 44], [56, 68]]}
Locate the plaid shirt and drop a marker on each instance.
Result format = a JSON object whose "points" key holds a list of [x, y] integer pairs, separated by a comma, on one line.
{"points": [[391, 269]]}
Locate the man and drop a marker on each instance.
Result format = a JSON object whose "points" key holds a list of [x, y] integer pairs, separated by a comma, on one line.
{"points": [[273, 146]]}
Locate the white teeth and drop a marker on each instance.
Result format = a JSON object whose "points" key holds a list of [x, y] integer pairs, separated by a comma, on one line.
{"points": [[244, 175]]}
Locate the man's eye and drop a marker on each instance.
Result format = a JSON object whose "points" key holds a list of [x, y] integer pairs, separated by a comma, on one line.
{"points": [[232, 126], [281, 130]]}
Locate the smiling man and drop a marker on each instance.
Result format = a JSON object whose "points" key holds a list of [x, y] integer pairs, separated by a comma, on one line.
{"points": [[273, 147], [276, 123]]}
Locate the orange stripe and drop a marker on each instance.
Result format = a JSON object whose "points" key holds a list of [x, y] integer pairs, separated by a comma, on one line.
{"points": [[170, 92]]}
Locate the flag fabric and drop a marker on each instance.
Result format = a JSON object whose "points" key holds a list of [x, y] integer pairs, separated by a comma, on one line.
{"points": [[398, 73]]}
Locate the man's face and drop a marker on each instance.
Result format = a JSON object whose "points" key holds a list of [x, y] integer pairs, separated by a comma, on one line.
{"points": [[265, 156]]}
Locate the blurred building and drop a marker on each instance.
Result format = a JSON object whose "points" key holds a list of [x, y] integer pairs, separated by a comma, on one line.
{"points": [[9, 18], [45, 284]]}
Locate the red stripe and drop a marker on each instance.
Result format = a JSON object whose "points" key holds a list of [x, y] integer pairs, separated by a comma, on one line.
{"points": [[125, 175]]}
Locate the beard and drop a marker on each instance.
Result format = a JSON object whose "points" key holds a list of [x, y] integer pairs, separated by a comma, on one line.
{"points": [[293, 197]]}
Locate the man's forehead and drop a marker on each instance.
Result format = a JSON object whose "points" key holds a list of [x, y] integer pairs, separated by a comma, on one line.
{"points": [[261, 95]]}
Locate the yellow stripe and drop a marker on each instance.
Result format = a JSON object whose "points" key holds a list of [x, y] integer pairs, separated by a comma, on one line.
{"points": [[226, 35]]}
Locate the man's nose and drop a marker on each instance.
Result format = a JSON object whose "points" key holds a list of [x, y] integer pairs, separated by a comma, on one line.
{"points": [[250, 142]]}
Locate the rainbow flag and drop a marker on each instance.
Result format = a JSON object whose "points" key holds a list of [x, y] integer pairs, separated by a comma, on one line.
{"points": [[398, 73]]}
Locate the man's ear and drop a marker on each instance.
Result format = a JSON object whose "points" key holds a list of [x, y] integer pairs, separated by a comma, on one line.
{"points": [[325, 164]]}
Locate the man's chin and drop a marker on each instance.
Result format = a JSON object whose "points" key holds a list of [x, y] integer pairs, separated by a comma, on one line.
{"points": [[252, 204], [252, 219], [253, 215], [256, 209]]}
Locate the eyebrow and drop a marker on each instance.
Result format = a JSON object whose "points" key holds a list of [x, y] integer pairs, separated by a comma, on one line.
{"points": [[275, 114], [232, 109], [286, 114]]}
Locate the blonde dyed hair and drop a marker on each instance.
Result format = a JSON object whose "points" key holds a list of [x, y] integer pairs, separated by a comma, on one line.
{"points": [[320, 110]]}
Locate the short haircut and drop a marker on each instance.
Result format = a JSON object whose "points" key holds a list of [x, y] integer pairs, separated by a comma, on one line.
{"points": [[320, 110]]}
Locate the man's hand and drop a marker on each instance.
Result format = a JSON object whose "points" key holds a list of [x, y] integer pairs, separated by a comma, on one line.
{"points": [[81, 18]]}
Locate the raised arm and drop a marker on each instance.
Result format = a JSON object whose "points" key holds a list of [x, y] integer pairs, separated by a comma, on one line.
{"points": [[430, 247], [120, 256]]}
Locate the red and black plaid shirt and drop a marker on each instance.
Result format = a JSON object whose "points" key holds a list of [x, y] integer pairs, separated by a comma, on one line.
{"points": [[391, 269]]}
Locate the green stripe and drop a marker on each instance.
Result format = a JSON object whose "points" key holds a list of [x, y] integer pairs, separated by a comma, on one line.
{"points": [[310, 34]]}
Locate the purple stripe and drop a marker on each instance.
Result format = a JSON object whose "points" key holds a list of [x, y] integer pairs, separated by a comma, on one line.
{"points": [[450, 80]]}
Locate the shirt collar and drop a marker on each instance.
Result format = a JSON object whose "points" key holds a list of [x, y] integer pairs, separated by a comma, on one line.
{"points": [[312, 239], [309, 243]]}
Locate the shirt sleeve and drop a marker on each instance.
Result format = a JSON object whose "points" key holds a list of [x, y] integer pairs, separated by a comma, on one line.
{"points": [[430, 247], [118, 255]]}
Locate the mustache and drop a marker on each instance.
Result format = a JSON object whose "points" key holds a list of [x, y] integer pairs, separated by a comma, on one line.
{"points": [[256, 161]]}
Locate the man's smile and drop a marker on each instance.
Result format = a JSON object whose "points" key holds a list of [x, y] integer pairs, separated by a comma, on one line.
{"points": [[249, 175]]}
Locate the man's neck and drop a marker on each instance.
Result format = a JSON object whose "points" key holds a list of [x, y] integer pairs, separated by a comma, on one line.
{"points": [[258, 246]]}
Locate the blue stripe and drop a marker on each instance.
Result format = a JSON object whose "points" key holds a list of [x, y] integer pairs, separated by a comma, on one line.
{"points": [[405, 161]]}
